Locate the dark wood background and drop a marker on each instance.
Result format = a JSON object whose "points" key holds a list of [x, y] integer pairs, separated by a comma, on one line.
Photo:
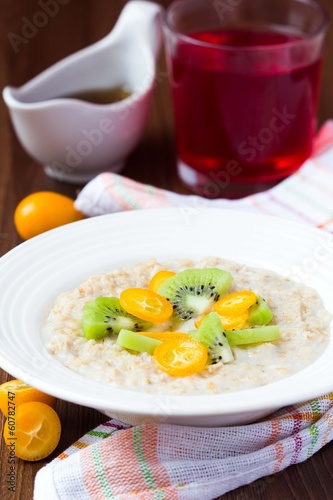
{"points": [[78, 24]]}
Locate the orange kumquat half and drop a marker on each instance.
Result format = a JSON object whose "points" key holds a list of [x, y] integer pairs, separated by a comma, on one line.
{"points": [[145, 304]]}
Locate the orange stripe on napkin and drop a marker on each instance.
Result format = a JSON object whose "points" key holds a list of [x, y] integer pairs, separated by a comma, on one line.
{"points": [[279, 453], [90, 478], [150, 447], [325, 223], [127, 464], [275, 432], [126, 475], [80, 444]]}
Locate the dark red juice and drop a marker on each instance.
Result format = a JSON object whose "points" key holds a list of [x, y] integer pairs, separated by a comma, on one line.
{"points": [[242, 120]]}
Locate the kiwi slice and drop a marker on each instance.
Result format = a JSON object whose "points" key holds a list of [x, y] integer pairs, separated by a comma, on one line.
{"points": [[253, 335], [193, 291], [137, 342], [211, 335], [105, 316], [260, 313]]}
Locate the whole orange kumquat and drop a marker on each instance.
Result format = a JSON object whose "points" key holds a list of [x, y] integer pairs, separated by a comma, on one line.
{"points": [[42, 211]]}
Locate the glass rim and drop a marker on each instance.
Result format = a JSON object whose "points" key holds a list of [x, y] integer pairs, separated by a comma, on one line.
{"points": [[288, 44]]}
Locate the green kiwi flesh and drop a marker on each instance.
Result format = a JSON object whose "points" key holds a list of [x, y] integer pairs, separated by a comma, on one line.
{"points": [[193, 291], [211, 335], [105, 316], [136, 342], [253, 335], [260, 313]]}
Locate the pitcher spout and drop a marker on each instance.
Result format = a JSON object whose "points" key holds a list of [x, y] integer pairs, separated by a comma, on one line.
{"points": [[141, 19]]}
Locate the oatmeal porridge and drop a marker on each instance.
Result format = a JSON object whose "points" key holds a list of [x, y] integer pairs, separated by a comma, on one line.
{"points": [[297, 310]]}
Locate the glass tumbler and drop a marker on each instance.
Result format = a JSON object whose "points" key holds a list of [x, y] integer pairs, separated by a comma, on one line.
{"points": [[245, 79]]}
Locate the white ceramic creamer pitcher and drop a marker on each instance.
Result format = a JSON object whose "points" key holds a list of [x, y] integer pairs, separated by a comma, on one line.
{"points": [[74, 139]]}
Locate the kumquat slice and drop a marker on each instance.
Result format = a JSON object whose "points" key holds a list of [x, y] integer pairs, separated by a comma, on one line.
{"points": [[34, 433], [235, 303], [15, 392], [180, 357], [145, 304], [159, 278], [229, 322], [166, 335], [235, 322]]}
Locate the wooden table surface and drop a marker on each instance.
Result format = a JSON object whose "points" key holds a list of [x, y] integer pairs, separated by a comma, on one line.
{"points": [[77, 24]]}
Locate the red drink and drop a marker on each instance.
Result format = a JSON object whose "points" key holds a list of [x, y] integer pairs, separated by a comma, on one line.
{"points": [[242, 124]]}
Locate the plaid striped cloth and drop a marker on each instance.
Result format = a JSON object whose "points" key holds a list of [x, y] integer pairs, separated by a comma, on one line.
{"points": [[305, 196], [116, 461], [166, 462]]}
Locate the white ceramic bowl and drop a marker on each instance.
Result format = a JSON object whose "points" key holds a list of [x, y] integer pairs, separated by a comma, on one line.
{"points": [[76, 140], [35, 272]]}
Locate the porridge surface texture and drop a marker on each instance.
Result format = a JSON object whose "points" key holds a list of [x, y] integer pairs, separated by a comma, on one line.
{"points": [[298, 310]]}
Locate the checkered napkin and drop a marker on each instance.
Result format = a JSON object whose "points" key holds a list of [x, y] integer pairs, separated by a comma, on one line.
{"points": [[167, 462]]}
